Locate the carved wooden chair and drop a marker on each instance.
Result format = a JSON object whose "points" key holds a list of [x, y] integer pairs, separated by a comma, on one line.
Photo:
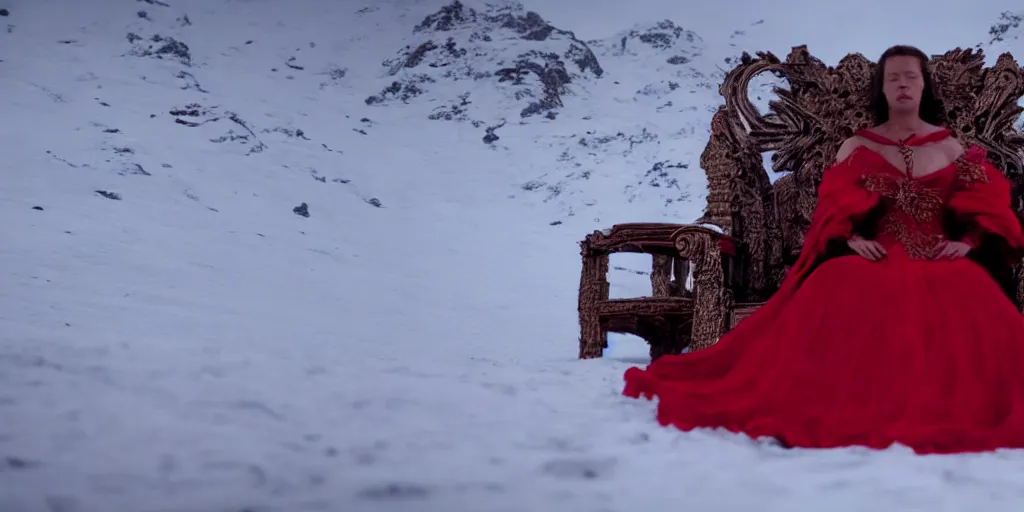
{"points": [[759, 226]]}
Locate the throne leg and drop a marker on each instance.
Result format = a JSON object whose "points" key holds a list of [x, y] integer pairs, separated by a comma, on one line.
{"points": [[593, 289], [663, 337], [709, 289]]}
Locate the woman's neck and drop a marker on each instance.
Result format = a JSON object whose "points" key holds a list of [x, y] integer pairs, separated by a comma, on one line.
{"points": [[901, 127]]}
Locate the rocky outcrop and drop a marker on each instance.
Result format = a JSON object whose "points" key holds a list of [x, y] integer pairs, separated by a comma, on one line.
{"points": [[531, 61], [679, 46], [160, 47], [1007, 28]]}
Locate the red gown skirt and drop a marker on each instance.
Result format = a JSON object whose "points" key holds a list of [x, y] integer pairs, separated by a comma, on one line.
{"points": [[928, 354]]}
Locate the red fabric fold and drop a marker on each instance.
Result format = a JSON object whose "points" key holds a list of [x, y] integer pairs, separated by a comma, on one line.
{"points": [[981, 198]]}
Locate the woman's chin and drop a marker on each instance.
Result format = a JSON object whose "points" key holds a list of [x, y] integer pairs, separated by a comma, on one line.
{"points": [[905, 106]]}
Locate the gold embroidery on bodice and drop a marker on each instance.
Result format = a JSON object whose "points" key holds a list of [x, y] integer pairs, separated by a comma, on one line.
{"points": [[914, 217]]}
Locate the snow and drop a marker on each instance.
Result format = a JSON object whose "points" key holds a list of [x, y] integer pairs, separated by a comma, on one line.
{"points": [[411, 345]]}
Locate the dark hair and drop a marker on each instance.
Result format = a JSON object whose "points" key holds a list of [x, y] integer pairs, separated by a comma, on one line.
{"points": [[931, 110]]}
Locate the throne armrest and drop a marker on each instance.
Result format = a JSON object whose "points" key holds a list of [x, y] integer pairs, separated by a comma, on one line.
{"points": [[710, 254], [658, 238], [707, 251]]}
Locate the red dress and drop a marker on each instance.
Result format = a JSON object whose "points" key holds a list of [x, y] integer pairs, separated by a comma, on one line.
{"points": [[926, 353]]}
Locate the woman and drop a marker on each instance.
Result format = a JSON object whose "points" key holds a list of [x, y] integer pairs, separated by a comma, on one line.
{"points": [[901, 339]]}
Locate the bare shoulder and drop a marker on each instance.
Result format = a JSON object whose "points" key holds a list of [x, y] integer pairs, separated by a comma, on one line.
{"points": [[849, 146], [953, 148], [953, 145]]}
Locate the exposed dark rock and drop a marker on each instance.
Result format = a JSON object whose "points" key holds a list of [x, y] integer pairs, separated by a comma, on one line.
{"points": [[190, 82], [664, 35], [334, 75], [546, 67], [468, 42], [403, 91], [134, 169], [162, 48], [490, 137], [447, 18], [1007, 22], [661, 174], [296, 134], [453, 112]]}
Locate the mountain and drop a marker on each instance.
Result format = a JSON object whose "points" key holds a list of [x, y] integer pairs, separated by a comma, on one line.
{"points": [[1007, 28], [242, 269], [586, 119], [527, 61], [1007, 35]]}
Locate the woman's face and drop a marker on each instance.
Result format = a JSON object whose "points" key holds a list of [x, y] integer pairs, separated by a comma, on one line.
{"points": [[903, 83]]}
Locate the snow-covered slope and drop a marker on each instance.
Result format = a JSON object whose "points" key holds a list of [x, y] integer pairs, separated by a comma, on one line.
{"points": [[230, 282], [592, 127]]}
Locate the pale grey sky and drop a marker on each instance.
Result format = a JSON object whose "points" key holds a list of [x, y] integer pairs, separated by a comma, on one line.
{"points": [[830, 29]]}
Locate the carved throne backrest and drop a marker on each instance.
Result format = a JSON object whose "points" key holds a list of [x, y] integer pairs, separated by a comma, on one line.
{"points": [[804, 127]]}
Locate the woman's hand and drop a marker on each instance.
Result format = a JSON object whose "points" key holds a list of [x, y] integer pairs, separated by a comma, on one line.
{"points": [[869, 249], [950, 250]]}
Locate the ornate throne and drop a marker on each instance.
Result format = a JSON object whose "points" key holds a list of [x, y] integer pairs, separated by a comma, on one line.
{"points": [[752, 229]]}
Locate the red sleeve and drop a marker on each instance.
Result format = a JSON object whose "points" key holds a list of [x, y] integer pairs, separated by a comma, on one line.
{"points": [[981, 199], [842, 202]]}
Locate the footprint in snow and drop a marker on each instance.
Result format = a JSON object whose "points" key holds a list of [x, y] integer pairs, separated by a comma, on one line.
{"points": [[393, 492], [579, 468]]}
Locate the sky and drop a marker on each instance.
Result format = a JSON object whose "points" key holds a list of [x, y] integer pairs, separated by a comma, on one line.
{"points": [[830, 29]]}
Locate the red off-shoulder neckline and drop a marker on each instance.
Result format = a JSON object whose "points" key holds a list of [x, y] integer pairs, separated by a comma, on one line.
{"points": [[913, 140]]}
